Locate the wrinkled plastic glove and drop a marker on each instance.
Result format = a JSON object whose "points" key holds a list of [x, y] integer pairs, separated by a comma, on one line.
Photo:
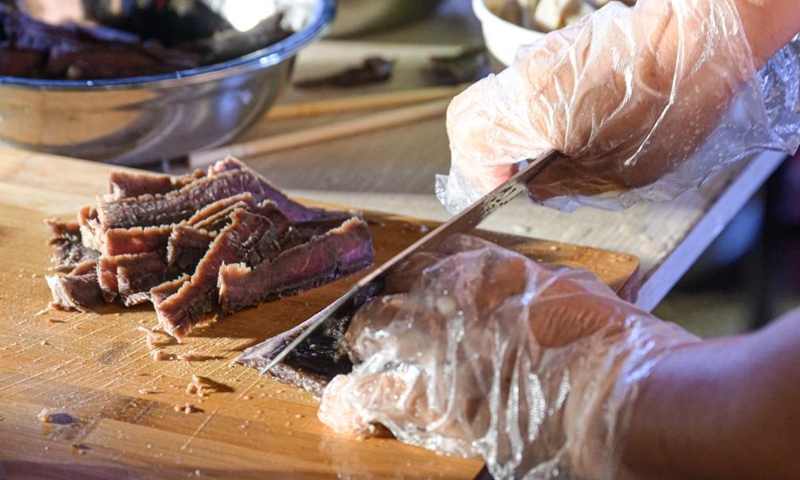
{"points": [[531, 367], [646, 101]]}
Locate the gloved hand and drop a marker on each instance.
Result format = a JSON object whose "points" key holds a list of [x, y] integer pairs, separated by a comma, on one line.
{"points": [[489, 353], [630, 95]]}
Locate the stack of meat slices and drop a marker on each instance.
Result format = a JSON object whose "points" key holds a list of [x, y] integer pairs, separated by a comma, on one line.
{"points": [[200, 244]]}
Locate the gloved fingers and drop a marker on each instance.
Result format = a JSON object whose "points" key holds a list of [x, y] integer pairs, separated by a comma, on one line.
{"points": [[490, 131]]}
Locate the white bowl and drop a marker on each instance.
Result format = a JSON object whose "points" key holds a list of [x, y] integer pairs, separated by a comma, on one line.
{"points": [[502, 38]]}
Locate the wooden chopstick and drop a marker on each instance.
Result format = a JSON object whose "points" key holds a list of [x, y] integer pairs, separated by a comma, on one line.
{"points": [[322, 133], [364, 102]]}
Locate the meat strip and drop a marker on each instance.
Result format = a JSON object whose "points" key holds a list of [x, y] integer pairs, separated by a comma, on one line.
{"points": [[121, 241], [323, 258], [161, 292], [182, 204], [198, 297], [187, 246], [133, 275], [212, 209], [69, 249], [77, 291], [221, 219], [127, 183]]}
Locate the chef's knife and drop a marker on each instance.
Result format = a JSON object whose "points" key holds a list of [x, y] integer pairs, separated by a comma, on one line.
{"points": [[465, 221]]}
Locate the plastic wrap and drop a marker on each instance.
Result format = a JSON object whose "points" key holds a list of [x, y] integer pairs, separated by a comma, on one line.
{"points": [[646, 101], [489, 353]]}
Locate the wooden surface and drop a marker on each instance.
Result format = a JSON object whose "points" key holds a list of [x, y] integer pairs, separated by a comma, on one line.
{"points": [[97, 368]]}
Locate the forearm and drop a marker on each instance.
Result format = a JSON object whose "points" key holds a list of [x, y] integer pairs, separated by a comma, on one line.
{"points": [[721, 409]]}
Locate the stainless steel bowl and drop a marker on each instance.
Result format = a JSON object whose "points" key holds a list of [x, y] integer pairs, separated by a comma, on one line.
{"points": [[143, 119], [364, 16]]}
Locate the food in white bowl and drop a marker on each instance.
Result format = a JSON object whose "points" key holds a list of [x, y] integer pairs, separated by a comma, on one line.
{"points": [[508, 24]]}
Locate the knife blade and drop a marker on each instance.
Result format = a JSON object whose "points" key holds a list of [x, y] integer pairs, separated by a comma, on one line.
{"points": [[467, 219]]}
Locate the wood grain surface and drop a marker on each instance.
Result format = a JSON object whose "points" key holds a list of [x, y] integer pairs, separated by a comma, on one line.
{"points": [[97, 368]]}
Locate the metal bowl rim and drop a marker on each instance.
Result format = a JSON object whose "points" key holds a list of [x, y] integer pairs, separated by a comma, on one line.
{"points": [[274, 54]]}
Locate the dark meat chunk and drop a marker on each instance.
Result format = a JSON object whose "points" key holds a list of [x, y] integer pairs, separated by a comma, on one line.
{"points": [[181, 204], [187, 246], [137, 274], [470, 65], [161, 292], [77, 291], [69, 249], [309, 367], [127, 183], [373, 70], [322, 259], [78, 52], [20, 63], [132, 276], [198, 297]]}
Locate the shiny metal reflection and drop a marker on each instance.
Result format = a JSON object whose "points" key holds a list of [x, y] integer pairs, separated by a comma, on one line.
{"points": [[143, 119]]}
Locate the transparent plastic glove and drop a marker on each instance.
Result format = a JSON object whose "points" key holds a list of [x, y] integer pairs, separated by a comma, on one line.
{"points": [[647, 101], [491, 354]]}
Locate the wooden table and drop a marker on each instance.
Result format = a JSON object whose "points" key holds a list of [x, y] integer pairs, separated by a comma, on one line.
{"points": [[97, 367]]}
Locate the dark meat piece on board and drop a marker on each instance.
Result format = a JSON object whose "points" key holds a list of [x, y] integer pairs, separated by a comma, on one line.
{"points": [[324, 258], [223, 206], [309, 367], [373, 70], [180, 205], [121, 241], [127, 183], [198, 297], [77, 291], [69, 249], [187, 246]]}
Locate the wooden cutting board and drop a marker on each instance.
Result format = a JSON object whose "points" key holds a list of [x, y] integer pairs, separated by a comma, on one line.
{"points": [[97, 368]]}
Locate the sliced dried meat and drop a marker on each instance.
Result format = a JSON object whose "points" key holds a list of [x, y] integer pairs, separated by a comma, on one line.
{"points": [[69, 250], [77, 291], [129, 183], [212, 210], [137, 274], [198, 297], [133, 275], [187, 246], [168, 244], [121, 241], [181, 204], [161, 292], [323, 258], [221, 219]]}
